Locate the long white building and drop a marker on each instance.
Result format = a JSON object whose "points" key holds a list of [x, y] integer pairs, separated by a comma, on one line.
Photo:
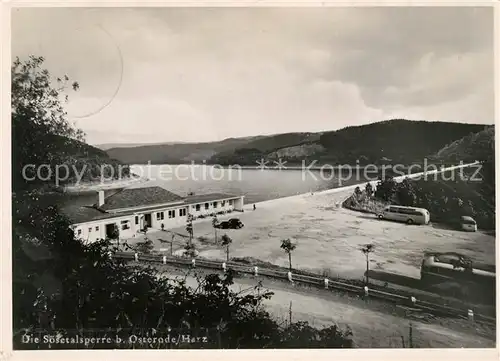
{"points": [[131, 210]]}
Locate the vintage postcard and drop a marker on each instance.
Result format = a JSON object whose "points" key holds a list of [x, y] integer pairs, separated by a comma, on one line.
{"points": [[249, 178]]}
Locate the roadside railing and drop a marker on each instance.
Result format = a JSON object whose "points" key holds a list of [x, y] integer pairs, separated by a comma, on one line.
{"points": [[316, 281]]}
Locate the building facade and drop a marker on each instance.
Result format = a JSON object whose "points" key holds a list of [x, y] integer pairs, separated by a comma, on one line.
{"points": [[131, 210]]}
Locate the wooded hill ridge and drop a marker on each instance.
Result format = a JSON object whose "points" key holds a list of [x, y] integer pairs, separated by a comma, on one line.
{"points": [[396, 141]]}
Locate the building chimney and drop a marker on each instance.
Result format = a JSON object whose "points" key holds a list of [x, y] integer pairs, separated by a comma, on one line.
{"points": [[100, 200]]}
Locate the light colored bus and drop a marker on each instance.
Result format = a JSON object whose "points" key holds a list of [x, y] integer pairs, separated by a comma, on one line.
{"points": [[468, 224], [410, 215]]}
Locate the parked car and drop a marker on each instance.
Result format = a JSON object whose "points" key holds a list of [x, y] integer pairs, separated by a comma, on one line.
{"points": [[233, 223], [468, 224]]}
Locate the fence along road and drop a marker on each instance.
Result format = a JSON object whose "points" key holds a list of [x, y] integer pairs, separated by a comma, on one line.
{"points": [[320, 282]]}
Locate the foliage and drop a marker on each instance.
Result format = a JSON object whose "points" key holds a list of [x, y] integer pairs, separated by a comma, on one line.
{"points": [[369, 190], [446, 199], [398, 140], [474, 146], [145, 247], [386, 189], [226, 241], [367, 249], [288, 247], [42, 135], [330, 337]]}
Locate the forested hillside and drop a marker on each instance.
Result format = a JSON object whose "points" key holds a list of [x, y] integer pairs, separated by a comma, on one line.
{"points": [[176, 153], [447, 196], [396, 141]]}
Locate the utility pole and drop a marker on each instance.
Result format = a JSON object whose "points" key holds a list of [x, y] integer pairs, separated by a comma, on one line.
{"points": [[171, 245], [411, 335], [290, 314], [408, 312]]}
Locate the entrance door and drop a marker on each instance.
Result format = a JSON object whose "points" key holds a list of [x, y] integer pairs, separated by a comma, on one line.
{"points": [[147, 220], [110, 230]]}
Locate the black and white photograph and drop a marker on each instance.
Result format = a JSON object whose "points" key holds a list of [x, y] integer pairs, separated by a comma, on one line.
{"points": [[273, 177]]}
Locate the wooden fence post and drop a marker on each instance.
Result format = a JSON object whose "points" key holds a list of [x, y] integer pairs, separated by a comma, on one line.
{"points": [[326, 283], [136, 257], [256, 271], [224, 266], [193, 262], [290, 276], [164, 259]]}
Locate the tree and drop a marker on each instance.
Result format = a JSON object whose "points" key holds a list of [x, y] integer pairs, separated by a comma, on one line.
{"points": [[367, 249], [385, 189], [406, 193], [288, 247], [41, 134], [226, 241], [189, 227], [369, 190], [215, 223], [357, 192]]}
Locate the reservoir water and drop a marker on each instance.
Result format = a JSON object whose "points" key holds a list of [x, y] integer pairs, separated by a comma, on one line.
{"points": [[255, 184]]}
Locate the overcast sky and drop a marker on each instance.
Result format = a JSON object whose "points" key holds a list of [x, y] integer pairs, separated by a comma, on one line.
{"points": [[165, 74]]}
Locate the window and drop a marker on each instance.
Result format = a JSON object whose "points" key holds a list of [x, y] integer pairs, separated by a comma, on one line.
{"points": [[215, 204], [447, 258], [198, 206], [96, 228], [136, 219], [90, 229], [79, 232], [171, 214], [206, 205], [223, 203], [182, 212], [160, 216], [230, 202], [125, 225]]}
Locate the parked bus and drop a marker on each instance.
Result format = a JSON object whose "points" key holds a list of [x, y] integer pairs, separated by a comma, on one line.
{"points": [[410, 215], [451, 266], [468, 224]]}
